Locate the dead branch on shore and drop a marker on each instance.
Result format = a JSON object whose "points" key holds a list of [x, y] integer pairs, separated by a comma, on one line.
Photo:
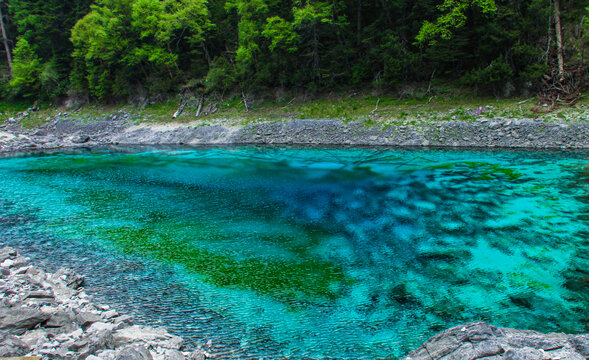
{"points": [[562, 89], [183, 103]]}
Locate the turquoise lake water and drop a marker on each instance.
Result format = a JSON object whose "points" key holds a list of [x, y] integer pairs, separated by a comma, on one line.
{"points": [[312, 253]]}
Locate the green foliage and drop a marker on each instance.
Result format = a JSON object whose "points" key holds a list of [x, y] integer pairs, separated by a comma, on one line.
{"points": [[311, 13], [497, 73], [221, 77], [26, 69], [533, 72], [453, 17], [45, 25], [163, 20], [250, 26], [586, 23], [281, 33], [124, 42], [102, 44], [119, 47]]}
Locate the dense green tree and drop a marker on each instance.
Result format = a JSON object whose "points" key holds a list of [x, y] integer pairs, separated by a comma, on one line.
{"points": [[117, 48], [46, 25], [122, 45], [105, 49], [454, 16], [26, 69]]}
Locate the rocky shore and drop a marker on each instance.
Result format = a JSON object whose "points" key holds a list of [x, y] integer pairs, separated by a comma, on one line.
{"points": [[50, 316], [121, 129]]}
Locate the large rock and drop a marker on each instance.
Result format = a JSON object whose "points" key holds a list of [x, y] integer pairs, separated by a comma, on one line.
{"points": [[10, 345], [174, 355], [100, 341], [70, 278], [136, 352], [60, 319], [15, 263], [20, 319], [85, 319], [7, 253], [146, 334], [480, 340]]}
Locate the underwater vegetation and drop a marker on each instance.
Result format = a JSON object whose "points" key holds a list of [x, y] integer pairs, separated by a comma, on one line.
{"points": [[339, 253]]}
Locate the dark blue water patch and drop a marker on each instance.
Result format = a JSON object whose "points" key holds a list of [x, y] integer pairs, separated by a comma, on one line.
{"points": [[312, 253]]}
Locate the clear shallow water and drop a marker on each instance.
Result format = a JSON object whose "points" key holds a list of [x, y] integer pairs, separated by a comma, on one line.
{"points": [[312, 253]]}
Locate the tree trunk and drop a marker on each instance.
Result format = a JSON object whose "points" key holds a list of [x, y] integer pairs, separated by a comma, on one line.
{"points": [[558, 33], [5, 39], [247, 108], [183, 103], [207, 55], [200, 103], [315, 53], [359, 24]]}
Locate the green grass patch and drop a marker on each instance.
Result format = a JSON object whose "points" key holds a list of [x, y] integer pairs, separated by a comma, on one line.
{"points": [[372, 110]]}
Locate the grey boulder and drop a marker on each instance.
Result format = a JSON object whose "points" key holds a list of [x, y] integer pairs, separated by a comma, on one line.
{"points": [[10, 345], [20, 319], [136, 352], [480, 340]]}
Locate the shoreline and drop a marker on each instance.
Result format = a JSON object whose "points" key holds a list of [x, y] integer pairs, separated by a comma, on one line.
{"points": [[70, 133], [480, 339]]}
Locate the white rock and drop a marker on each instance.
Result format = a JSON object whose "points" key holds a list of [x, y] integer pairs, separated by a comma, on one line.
{"points": [[62, 338], [110, 314], [36, 337], [146, 334], [100, 326], [48, 309], [7, 263], [77, 334], [106, 354]]}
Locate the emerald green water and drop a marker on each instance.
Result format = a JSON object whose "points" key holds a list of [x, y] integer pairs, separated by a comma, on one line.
{"points": [[312, 253]]}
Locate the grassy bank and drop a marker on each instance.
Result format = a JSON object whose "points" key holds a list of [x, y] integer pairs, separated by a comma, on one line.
{"points": [[371, 109]]}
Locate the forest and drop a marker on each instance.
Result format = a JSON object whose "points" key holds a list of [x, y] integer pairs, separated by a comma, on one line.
{"points": [[110, 50]]}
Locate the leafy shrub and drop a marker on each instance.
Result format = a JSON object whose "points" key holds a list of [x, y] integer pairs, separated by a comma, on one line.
{"points": [[26, 69], [491, 77], [221, 76]]}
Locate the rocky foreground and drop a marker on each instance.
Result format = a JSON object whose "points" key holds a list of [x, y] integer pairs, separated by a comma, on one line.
{"points": [[64, 131], [45, 315]]}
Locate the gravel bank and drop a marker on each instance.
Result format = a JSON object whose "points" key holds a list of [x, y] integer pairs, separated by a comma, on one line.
{"points": [[65, 132]]}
